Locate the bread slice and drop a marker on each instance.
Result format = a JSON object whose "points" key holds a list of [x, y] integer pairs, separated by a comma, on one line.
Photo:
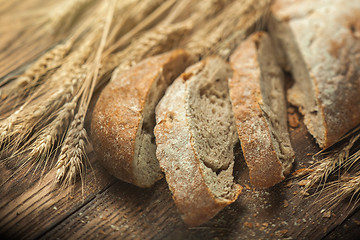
{"points": [[195, 135], [319, 42], [257, 93], [124, 118]]}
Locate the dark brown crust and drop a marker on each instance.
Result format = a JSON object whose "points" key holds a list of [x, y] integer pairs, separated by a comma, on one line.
{"points": [[118, 112], [194, 200], [265, 169]]}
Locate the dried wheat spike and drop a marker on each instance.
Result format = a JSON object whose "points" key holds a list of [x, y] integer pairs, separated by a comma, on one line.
{"points": [[347, 187], [43, 145], [130, 13], [19, 126], [26, 82], [62, 18], [161, 38], [236, 16], [70, 162], [335, 160], [7, 126], [155, 41]]}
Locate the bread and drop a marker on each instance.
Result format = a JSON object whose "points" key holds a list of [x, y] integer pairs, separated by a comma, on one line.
{"points": [[258, 99], [195, 135], [319, 42], [124, 117]]}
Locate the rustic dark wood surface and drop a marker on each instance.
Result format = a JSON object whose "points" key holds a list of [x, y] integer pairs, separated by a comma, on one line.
{"points": [[32, 207]]}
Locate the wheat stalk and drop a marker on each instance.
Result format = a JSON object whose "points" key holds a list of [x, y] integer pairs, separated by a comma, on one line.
{"points": [[29, 80], [70, 161], [158, 40], [330, 161], [133, 18], [34, 113], [64, 16], [41, 148], [346, 187], [238, 16], [342, 162], [49, 23], [41, 120], [165, 36]]}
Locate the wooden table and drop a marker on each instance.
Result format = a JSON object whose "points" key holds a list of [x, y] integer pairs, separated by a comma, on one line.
{"points": [[32, 207]]}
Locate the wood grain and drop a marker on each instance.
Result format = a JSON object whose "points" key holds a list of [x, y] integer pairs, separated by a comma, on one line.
{"points": [[30, 206]]}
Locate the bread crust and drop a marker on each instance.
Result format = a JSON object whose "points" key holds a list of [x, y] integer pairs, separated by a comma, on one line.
{"points": [[265, 168], [178, 158], [118, 113], [325, 36]]}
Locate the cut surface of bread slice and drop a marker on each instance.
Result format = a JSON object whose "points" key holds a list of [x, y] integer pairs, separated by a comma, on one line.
{"points": [[257, 94], [124, 118], [195, 134], [318, 41]]}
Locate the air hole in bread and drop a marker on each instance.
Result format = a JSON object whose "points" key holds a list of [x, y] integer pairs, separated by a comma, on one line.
{"points": [[212, 125], [352, 28], [196, 150]]}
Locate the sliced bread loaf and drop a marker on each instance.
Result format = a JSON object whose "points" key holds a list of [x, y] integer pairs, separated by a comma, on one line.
{"points": [[124, 117], [258, 99], [319, 42], [195, 135]]}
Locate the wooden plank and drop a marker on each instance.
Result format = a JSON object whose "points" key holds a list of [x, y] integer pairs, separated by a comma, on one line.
{"points": [[349, 229], [122, 211], [30, 206]]}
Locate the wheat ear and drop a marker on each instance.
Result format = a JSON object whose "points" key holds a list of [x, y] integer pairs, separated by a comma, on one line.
{"points": [[237, 16], [143, 19], [330, 161], [64, 15], [70, 161], [35, 114], [26, 83], [42, 147], [336, 172], [346, 187], [155, 41]]}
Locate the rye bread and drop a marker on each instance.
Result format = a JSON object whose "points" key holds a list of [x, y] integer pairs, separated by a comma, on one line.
{"points": [[124, 117], [258, 98], [319, 42], [195, 135]]}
